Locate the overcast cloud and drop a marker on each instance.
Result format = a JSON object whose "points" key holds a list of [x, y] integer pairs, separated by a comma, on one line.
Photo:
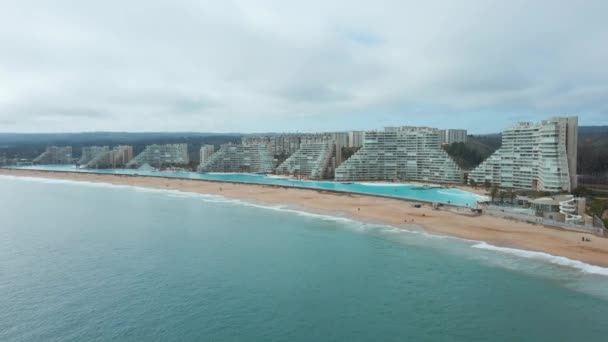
{"points": [[254, 66]]}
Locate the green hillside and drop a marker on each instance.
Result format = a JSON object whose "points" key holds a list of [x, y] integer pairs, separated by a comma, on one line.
{"points": [[472, 153]]}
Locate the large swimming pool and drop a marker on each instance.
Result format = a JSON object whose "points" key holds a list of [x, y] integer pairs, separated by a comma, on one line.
{"points": [[397, 190]]}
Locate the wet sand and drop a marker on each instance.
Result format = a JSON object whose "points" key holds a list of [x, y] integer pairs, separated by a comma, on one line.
{"points": [[398, 213]]}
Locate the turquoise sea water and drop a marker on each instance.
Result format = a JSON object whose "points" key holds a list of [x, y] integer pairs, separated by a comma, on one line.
{"points": [[447, 196], [95, 262]]}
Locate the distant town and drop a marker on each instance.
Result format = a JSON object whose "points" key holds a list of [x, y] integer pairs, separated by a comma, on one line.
{"points": [[534, 169]]}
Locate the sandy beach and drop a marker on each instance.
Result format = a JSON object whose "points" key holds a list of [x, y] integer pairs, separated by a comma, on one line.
{"points": [[398, 213]]}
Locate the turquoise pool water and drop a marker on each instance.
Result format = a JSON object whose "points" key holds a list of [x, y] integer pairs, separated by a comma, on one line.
{"points": [[405, 191]]}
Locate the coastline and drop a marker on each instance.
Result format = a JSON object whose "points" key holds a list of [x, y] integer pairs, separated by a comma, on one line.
{"points": [[395, 212]]}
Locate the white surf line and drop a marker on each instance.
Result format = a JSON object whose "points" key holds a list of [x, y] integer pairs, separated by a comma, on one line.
{"points": [[549, 258]]}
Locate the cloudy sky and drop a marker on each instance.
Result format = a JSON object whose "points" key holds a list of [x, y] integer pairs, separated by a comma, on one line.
{"points": [[254, 66]]}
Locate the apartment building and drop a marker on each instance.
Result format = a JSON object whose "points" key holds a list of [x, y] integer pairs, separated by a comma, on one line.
{"points": [[240, 158], [401, 154], [206, 152], [355, 138], [161, 155], [55, 155], [450, 136], [91, 152], [312, 160], [281, 144], [119, 156], [534, 156], [288, 144]]}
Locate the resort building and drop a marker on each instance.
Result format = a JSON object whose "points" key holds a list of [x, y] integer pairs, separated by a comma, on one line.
{"points": [[119, 156], [450, 136], [312, 160], [206, 152], [281, 144], [401, 154], [355, 138], [55, 155], [287, 144], [162, 155], [534, 156], [91, 152], [240, 158]]}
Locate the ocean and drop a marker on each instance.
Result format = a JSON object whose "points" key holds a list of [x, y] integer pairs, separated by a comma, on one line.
{"points": [[96, 262]]}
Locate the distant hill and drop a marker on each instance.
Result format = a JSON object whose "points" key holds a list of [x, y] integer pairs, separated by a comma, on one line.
{"points": [[477, 149], [593, 151]]}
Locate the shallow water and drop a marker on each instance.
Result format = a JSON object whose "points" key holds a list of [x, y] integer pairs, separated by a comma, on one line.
{"points": [[90, 261]]}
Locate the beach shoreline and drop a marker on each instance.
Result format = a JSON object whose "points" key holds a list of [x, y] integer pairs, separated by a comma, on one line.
{"points": [[370, 209]]}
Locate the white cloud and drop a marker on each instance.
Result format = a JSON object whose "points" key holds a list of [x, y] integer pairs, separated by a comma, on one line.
{"points": [[283, 65]]}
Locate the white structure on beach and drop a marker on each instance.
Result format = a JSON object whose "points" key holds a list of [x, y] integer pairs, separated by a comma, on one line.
{"points": [[313, 160], [450, 136], [119, 156], [534, 156], [355, 138], [91, 152], [240, 158], [162, 155], [288, 143], [401, 154], [55, 155], [206, 152]]}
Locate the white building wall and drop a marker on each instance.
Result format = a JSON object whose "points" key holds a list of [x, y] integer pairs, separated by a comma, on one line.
{"points": [[401, 154], [534, 156]]}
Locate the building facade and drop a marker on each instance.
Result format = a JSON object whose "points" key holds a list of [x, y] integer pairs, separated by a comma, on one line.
{"points": [[206, 152], [450, 136], [534, 156], [91, 152], [312, 160], [287, 144], [55, 155], [281, 144], [401, 154], [240, 158], [355, 138], [119, 156], [161, 155]]}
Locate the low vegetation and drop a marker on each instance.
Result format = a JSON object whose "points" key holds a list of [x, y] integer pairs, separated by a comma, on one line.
{"points": [[472, 153]]}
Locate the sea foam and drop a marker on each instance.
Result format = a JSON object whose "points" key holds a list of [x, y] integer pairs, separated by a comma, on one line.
{"points": [[557, 260]]}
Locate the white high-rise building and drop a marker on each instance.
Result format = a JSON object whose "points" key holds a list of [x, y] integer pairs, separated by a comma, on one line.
{"points": [[55, 155], [534, 156], [119, 156], [450, 136], [206, 152], [91, 152], [288, 144], [314, 160], [240, 158], [355, 138], [401, 154], [162, 155]]}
